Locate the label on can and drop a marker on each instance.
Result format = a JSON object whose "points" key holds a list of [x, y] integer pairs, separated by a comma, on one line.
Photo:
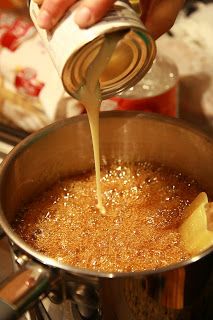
{"points": [[67, 38], [165, 103], [56, 41]]}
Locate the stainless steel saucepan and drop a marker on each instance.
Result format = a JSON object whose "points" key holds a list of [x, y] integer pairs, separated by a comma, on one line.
{"points": [[179, 292]]}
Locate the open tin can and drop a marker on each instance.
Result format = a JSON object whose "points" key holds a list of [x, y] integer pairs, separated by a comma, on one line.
{"points": [[72, 49]]}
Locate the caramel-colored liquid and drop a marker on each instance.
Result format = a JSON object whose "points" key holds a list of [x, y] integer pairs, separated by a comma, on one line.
{"points": [[144, 207]]}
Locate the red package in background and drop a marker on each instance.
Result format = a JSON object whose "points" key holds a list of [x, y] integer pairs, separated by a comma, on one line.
{"points": [[31, 91], [14, 30], [13, 4]]}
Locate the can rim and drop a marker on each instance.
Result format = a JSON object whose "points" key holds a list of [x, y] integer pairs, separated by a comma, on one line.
{"points": [[141, 40]]}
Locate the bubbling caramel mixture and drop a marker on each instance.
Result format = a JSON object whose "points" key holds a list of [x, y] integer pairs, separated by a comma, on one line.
{"points": [[144, 206]]}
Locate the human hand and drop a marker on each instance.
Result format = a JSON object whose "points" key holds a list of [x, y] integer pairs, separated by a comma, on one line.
{"points": [[88, 13], [157, 15]]}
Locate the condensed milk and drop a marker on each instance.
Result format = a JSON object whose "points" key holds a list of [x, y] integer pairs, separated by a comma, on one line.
{"points": [[90, 95]]}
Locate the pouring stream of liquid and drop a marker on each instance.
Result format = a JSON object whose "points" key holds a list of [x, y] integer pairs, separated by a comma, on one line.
{"points": [[90, 96]]}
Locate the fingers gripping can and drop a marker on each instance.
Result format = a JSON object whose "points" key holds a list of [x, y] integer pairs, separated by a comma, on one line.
{"points": [[72, 49]]}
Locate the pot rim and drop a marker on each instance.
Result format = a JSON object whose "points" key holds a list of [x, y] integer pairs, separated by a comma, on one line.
{"points": [[50, 262]]}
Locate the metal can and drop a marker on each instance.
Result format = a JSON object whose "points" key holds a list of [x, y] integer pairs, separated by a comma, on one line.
{"points": [[72, 49]]}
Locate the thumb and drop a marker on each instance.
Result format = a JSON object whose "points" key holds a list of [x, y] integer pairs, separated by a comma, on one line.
{"points": [[90, 12], [52, 11]]}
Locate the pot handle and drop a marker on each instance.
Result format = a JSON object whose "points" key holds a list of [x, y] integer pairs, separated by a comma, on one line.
{"points": [[21, 291]]}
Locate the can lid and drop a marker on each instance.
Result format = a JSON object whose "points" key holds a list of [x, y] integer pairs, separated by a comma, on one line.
{"points": [[131, 60]]}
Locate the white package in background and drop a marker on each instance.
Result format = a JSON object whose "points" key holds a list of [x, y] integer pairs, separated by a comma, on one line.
{"points": [[191, 46], [31, 92]]}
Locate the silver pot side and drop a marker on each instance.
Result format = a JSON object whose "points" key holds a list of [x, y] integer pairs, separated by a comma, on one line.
{"points": [[64, 148]]}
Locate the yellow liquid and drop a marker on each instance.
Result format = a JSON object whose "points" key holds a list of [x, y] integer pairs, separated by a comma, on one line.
{"points": [[90, 96]]}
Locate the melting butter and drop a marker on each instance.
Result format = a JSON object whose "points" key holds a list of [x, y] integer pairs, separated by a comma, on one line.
{"points": [[194, 230]]}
